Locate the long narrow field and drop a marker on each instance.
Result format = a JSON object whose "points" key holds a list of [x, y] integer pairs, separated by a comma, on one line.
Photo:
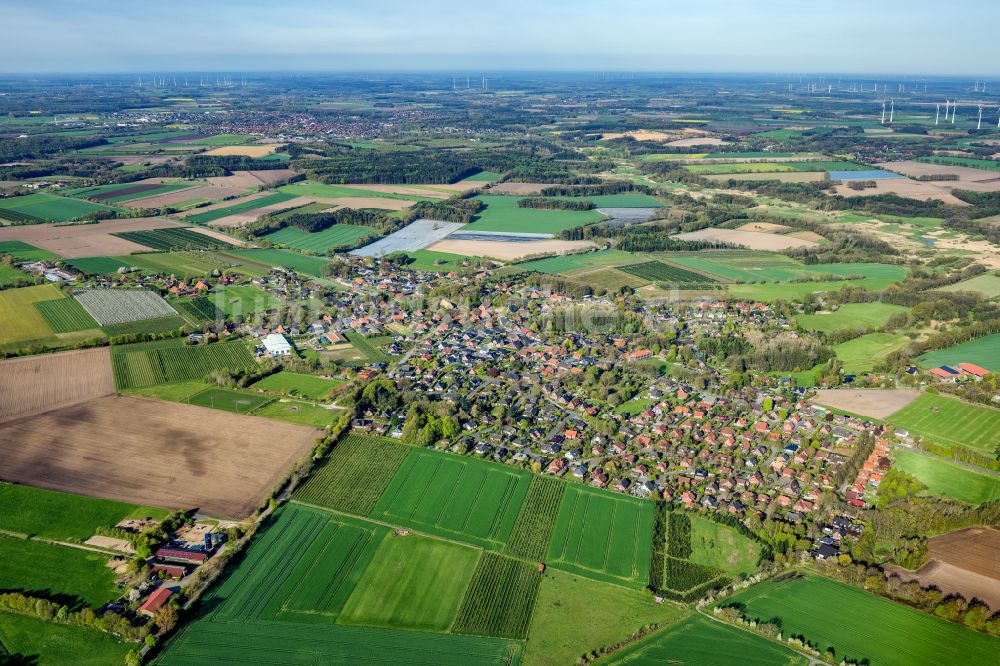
{"points": [[500, 598], [656, 271], [503, 214], [533, 529], [454, 496], [24, 252], [603, 536], [335, 236], [699, 640], [298, 385], [146, 364], [851, 315], [297, 262], [241, 207], [950, 421], [34, 384], [984, 352], [35, 208], [174, 239], [944, 478], [222, 463], [354, 475], [572, 262], [863, 626]]}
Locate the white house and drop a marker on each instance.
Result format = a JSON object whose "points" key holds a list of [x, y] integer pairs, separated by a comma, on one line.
{"points": [[276, 344]]}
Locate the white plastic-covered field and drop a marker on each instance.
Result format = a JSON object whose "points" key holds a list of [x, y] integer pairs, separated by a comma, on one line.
{"points": [[415, 236], [120, 306]]}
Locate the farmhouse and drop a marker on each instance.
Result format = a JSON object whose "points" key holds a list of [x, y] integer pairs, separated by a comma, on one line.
{"points": [[155, 601]]}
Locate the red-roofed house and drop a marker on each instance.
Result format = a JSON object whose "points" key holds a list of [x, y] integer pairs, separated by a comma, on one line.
{"points": [[973, 369], [155, 601]]}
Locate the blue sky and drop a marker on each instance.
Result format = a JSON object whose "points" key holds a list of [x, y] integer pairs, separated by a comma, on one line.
{"points": [[873, 36]]}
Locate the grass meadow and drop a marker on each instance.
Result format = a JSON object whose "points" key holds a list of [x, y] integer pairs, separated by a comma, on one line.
{"points": [[950, 422], [944, 478]]}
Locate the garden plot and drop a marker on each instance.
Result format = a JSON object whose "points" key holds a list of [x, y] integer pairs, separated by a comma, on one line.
{"points": [[119, 306], [415, 236]]}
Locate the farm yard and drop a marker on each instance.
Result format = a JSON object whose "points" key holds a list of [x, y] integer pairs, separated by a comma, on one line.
{"points": [[102, 441], [859, 625]]}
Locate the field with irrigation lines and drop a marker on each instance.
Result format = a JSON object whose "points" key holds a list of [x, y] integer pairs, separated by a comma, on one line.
{"points": [[173, 239], [500, 598], [65, 315], [533, 529], [146, 364], [354, 475], [455, 497], [657, 271], [603, 536]]}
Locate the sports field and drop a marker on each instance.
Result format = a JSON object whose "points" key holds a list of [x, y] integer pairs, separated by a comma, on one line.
{"points": [[860, 625], [850, 315], [603, 536], [864, 353], [950, 421], [294, 411], [239, 402], [984, 352], [297, 262], [502, 214], [338, 235], [46, 208], [75, 577], [298, 385], [455, 497], [243, 300], [947, 479], [699, 640]]}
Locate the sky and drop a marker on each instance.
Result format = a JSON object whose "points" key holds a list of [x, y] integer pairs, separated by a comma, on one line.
{"points": [[767, 36]]}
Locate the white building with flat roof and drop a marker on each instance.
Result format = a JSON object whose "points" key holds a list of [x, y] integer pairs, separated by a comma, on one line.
{"points": [[276, 344]]}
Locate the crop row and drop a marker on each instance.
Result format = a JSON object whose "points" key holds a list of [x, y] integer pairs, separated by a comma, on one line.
{"points": [[500, 598], [147, 367], [533, 529], [173, 239], [18, 217], [118, 306], [65, 315], [657, 271]]}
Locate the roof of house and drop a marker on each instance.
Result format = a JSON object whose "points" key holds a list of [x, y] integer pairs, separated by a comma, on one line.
{"points": [[155, 600]]}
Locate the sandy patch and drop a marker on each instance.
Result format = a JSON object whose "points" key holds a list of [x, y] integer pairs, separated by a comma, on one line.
{"points": [[806, 235], [257, 178], [154, 453], [975, 180], [912, 189], [518, 188], [697, 141], [218, 235], [640, 135], [508, 251], [408, 190], [764, 227], [110, 543], [86, 240], [874, 403], [246, 151], [752, 240]]}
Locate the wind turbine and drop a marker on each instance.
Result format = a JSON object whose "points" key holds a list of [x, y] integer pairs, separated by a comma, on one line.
{"points": [[937, 113], [883, 112], [954, 108], [980, 125], [892, 109]]}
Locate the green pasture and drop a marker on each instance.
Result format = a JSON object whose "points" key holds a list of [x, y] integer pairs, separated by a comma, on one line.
{"points": [[503, 214], [850, 315], [983, 351], [945, 478], [950, 421]]}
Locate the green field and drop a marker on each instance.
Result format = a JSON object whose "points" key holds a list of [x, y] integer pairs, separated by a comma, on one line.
{"points": [[412, 582], [656, 271], [864, 353], [310, 189], [987, 284], [293, 411], [533, 529], [224, 140], [572, 262], [431, 261], [454, 497], [69, 575], [229, 400], [953, 422], [27, 640], [944, 478], [297, 262], [189, 264], [168, 361], [158, 325], [46, 208], [22, 320], [850, 315], [354, 475], [859, 625], [503, 214], [175, 392], [500, 598], [609, 613], [11, 277], [53, 515], [241, 207], [21, 251], [756, 267], [99, 265], [198, 310], [699, 640], [66, 315], [337, 235], [485, 176], [603, 536], [243, 300], [368, 347], [89, 192], [298, 385], [722, 547], [983, 351], [173, 239]]}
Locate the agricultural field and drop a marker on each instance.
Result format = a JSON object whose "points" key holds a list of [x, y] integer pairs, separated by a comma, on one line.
{"points": [[121, 306], [300, 263], [500, 598], [159, 325], [338, 235], [22, 251], [334, 568], [950, 422], [35, 384], [197, 309], [221, 463], [860, 625], [455, 497], [987, 284], [850, 315], [944, 478], [572, 262], [412, 582], [298, 385], [12, 277], [243, 300], [28, 640], [145, 364], [983, 351], [656, 271], [503, 214], [429, 260], [863, 354], [100, 265], [722, 547], [531, 533], [872, 403], [369, 347], [241, 207], [355, 474], [34, 208], [22, 320], [65, 315], [324, 191], [174, 239], [191, 264], [124, 192], [74, 576], [602, 536], [986, 165], [699, 640], [609, 612]]}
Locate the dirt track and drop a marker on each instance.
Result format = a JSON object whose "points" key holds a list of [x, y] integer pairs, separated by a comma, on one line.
{"points": [[156, 453]]}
